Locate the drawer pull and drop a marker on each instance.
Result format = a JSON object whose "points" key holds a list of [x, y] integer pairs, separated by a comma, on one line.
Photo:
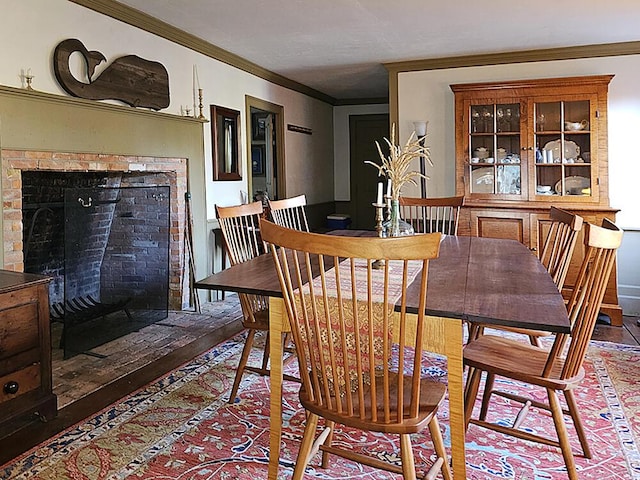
{"points": [[11, 387]]}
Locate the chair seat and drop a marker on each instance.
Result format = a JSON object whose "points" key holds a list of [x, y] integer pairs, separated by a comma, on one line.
{"points": [[431, 395], [504, 357]]}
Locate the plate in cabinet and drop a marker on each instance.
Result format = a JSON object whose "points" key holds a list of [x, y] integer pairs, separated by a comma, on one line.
{"points": [[573, 185]]}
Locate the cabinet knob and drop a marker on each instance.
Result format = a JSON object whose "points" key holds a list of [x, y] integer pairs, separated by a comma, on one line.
{"points": [[11, 387]]}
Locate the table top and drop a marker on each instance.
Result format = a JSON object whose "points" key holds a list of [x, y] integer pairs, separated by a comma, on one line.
{"points": [[478, 279]]}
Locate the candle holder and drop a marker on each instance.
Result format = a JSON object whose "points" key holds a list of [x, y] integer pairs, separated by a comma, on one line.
{"points": [[200, 106], [28, 79], [378, 264]]}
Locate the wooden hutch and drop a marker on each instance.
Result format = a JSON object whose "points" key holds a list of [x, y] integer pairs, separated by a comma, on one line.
{"points": [[522, 146]]}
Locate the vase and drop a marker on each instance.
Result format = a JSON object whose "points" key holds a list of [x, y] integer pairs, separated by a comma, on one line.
{"points": [[395, 226]]}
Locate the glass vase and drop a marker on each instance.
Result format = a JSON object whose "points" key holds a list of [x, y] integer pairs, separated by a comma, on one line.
{"points": [[395, 226]]}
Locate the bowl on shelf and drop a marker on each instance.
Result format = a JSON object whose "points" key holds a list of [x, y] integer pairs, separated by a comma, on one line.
{"points": [[543, 188], [576, 126]]}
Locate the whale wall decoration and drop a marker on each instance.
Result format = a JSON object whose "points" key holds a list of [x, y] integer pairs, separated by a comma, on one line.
{"points": [[129, 79]]}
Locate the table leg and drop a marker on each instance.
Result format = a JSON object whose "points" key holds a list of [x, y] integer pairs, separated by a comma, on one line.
{"points": [[455, 369], [444, 336], [277, 325]]}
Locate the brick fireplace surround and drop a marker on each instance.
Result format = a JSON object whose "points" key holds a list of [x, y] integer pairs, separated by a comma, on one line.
{"points": [[16, 161]]}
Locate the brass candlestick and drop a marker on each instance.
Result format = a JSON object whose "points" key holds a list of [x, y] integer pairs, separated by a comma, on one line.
{"points": [[200, 106], [28, 78], [379, 218]]}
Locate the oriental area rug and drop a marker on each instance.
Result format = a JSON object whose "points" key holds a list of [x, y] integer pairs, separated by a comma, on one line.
{"points": [[181, 427]]}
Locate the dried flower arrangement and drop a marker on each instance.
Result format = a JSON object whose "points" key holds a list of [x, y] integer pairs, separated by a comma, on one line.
{"points": [[396, 166]]}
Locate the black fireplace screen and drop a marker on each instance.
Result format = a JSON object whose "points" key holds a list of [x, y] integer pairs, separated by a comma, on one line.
{"points": [[107, 250], [116, 268]]}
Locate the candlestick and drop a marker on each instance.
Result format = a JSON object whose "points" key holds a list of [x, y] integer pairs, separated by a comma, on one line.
{"points": [[379, 197], [389, 188], [28, 78], [379, 217], [201, 116]]}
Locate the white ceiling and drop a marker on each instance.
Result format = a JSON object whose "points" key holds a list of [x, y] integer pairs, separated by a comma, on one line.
{"points": [[338, 46]]}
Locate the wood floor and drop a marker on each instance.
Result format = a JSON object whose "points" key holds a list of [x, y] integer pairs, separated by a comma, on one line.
{"points": [[88, 383]]}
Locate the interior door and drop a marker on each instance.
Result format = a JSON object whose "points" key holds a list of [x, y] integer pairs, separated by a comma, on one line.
{"points": [[364, 131]]}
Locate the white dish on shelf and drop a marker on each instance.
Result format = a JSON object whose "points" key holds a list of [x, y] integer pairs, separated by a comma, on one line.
{"points": [[482, 179], [571, 149], [573, 185]]}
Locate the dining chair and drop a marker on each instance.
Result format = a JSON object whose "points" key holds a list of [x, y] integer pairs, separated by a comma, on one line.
{"points": [[290, 212], [428, 215], [242, 242], [556, 370], [555, 255], [354, 371]]}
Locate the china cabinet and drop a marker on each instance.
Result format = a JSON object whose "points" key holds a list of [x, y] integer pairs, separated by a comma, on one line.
{"points": [[25, 351], [522, 146]]}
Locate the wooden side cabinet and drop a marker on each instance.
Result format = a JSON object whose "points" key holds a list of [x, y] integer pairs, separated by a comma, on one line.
{"points": [[26, 390]]}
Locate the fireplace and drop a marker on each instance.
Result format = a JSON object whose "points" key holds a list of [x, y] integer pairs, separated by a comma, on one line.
{"points": [[122, 224]]}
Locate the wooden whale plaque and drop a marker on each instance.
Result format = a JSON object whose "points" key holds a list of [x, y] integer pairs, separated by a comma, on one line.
{"points": [[129, 79]]}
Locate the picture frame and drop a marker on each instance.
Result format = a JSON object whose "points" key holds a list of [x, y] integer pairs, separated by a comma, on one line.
{"points": [[257, 160], [258, 127], [225, 143]]}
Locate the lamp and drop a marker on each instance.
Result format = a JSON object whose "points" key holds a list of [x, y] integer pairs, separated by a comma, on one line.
{"points": [[420, 127]]}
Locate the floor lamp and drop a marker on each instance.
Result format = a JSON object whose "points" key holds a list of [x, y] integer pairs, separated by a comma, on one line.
{"points": [[420, 128]]}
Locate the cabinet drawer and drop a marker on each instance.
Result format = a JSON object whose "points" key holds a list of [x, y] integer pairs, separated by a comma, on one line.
{"points": [[27, 379], [18, 329]]}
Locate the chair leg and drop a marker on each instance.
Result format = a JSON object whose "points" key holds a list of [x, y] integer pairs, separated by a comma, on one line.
{"points": [[248, 344], [577, 422], [535, 341], [406, 454], [305, 447], [265, 354], [563, 437], [470, 395], [438, 445], [327, 443], [486, 396]]}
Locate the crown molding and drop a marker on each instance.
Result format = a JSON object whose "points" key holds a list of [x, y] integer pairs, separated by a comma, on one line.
{"points": [[162, 29], [522, 56]]}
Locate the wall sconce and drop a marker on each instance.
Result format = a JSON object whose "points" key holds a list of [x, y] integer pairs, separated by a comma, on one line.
{"points": [[420, 127]]}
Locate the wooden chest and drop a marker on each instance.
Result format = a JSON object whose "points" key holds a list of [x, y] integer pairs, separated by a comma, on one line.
{"points": [[25, 351]]}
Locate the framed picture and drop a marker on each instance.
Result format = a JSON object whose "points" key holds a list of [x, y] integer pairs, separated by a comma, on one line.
{"points": [[225, 142], [257, 160], [258, 127]]}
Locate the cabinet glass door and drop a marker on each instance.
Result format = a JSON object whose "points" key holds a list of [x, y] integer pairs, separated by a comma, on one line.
{"points": [[563, 148], [494, 149]]}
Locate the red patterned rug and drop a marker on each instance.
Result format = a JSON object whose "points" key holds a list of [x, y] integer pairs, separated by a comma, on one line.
{"points": [[181, 427]]}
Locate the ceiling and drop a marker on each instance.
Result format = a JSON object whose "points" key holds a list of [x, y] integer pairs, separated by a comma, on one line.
{"points": [[338, 47]]}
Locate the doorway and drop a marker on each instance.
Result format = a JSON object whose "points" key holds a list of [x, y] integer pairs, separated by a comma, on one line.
{"points": [[265, 147], [364, 131]]}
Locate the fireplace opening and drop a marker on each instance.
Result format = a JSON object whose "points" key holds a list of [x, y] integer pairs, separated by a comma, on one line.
{"points": [[103, 237]]}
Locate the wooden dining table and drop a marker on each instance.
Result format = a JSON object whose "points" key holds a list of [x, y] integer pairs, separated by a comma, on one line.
{"points": [[492, 281]]}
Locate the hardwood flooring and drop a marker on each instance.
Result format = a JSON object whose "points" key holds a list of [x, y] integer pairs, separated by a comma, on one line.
{"points": [[86, 384]]}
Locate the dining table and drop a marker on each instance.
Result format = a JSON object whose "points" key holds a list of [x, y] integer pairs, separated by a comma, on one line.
{"points": [[474, 279]]}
